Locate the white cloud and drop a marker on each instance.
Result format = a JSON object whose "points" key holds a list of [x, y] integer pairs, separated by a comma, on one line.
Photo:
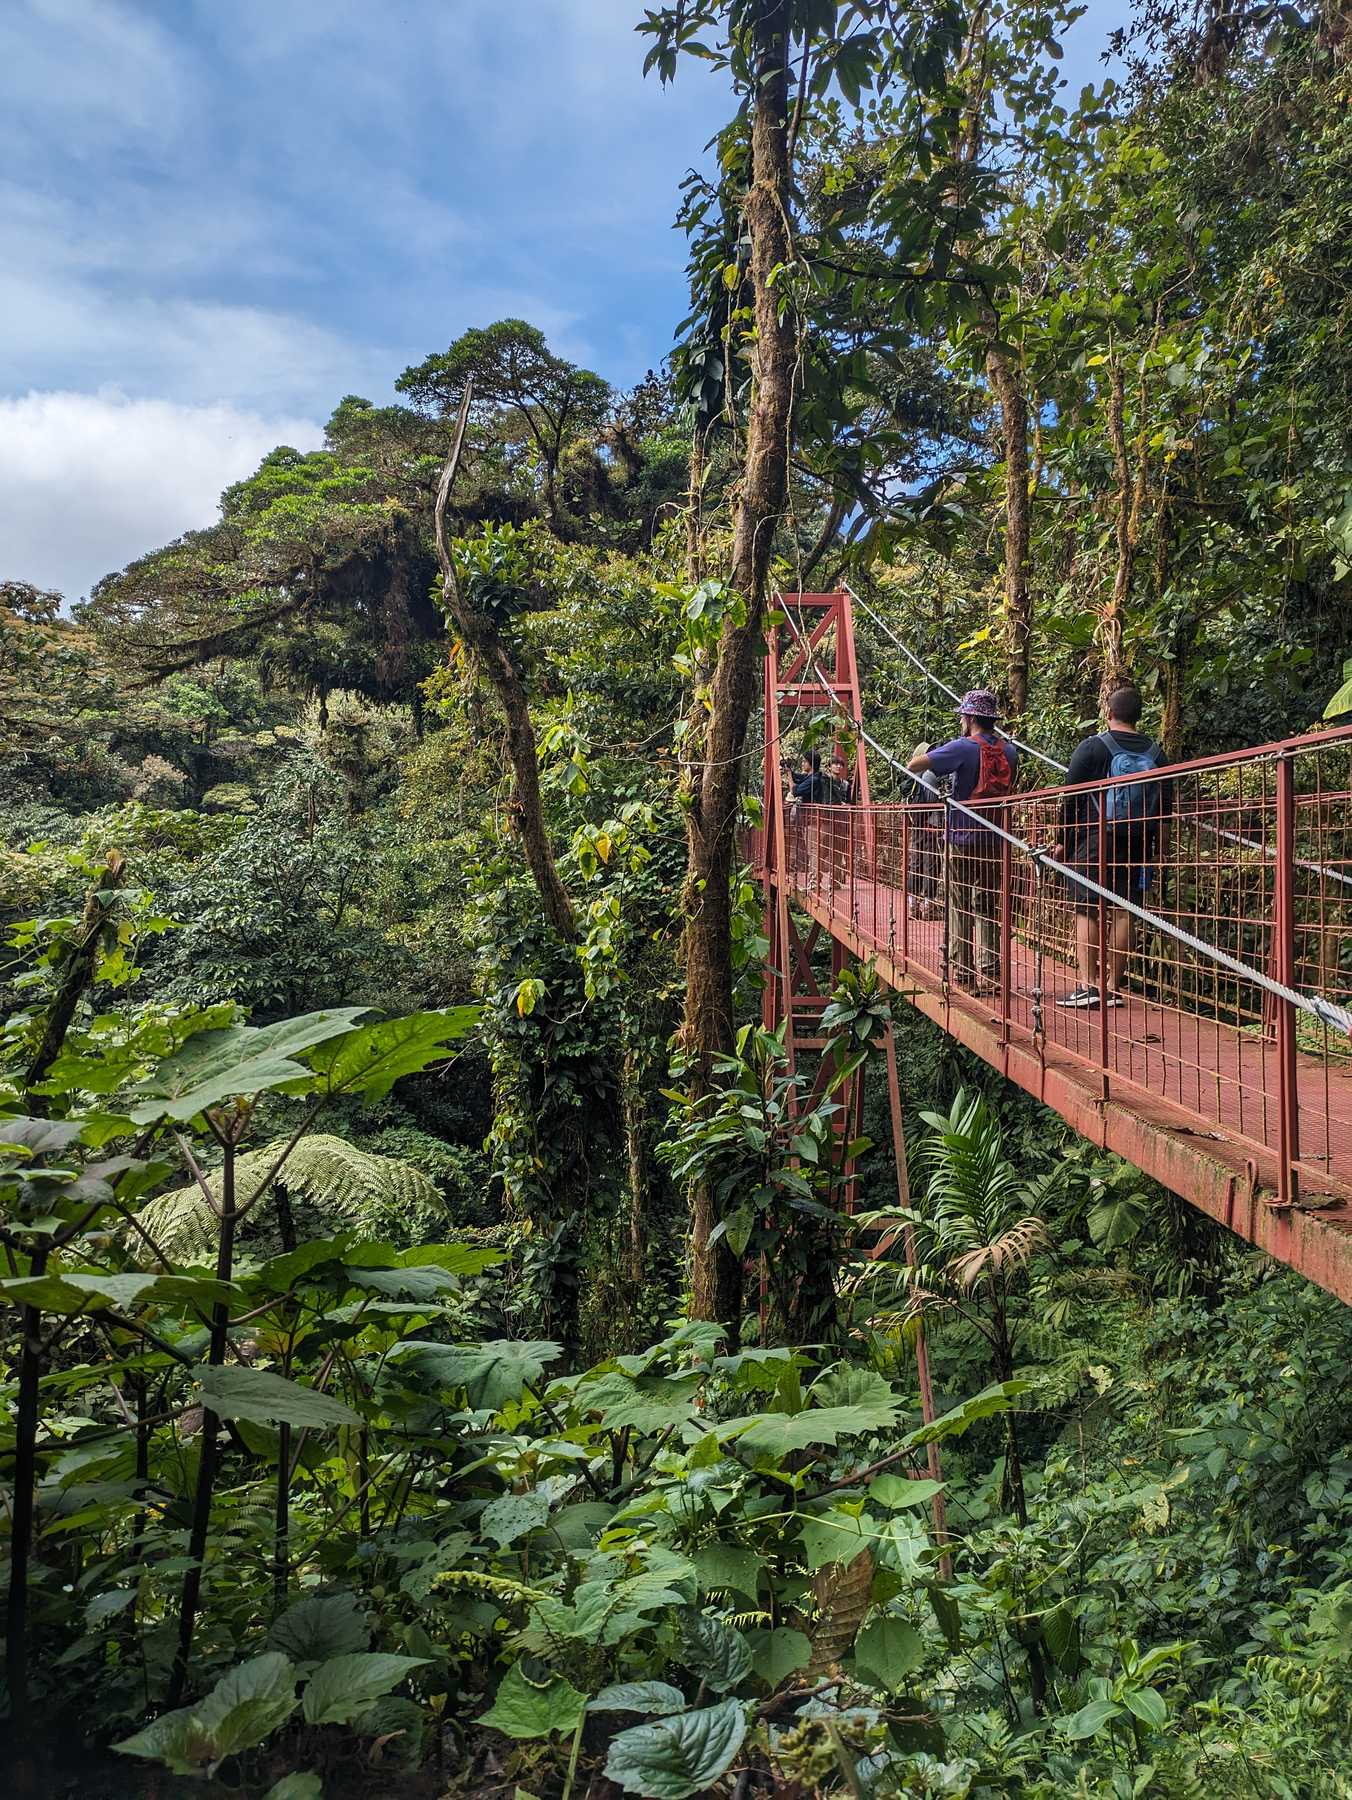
{"points": [[58, 334], [89, 481]]}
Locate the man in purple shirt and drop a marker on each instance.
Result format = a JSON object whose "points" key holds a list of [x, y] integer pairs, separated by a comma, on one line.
{"points": [[981, 768]]}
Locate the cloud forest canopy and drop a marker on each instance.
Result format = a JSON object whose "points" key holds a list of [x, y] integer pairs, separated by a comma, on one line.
{"points": [[439, 1359]]}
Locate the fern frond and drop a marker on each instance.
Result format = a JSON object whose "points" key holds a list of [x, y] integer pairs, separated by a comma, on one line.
{"points": [[344, 1186]]}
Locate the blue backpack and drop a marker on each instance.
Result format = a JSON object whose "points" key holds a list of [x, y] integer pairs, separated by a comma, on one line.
{"points": [[1137, 802]]}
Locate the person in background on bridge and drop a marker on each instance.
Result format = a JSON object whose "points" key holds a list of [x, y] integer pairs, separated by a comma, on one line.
{"points": [[981, 767], [810, 783], [842, 836], [1131, 818]]}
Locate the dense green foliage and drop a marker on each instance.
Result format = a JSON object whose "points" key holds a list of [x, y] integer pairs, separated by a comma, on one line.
{"points": [[358, 1438]]}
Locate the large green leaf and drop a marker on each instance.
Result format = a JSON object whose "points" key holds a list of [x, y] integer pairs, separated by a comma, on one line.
{"points": [[267, 1399], [321, 1626], [778, 1434], [1148, 1705], [1089, 1720], [528, 1709], [511, 1516], [997, 1398], [1117, 1220], [399, 1723], [345, 1686], [296, 1787], [216, 1066], [778, 1653], [249, 1703], [493, 1373], [80, 1292], [648, 1403], [888, 1650], [245, 1707], [1341, 701], [675, 1758], [717, 1653], [895, 1491], [371, 1060], [24, 1138], [836, 1536], [846, 1384], [423, 1284], [729, 1567], [655, 1697]]}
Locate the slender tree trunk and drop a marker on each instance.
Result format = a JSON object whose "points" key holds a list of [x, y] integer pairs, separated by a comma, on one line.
{"points": [[483, 638], [1128, 508], [1112, 625], [211, 1425], [712, 817], [23, 1507], [635, 1109], [79, 970], [694, 511], [281, 1523], [1028, 1635], [1007, 382], [1181, 641]]}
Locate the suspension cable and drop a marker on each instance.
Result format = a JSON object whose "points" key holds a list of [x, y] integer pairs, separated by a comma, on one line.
{"points": [[929, 675], [1320, 1008], [1220, 831]]}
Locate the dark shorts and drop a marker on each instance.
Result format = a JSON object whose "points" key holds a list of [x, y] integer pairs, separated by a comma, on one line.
{"points": [[1122, 878], [1126, 868], [1126, 871]]}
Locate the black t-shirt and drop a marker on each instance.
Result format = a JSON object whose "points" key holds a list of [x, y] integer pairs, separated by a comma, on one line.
{"points": [[1093, 761]]}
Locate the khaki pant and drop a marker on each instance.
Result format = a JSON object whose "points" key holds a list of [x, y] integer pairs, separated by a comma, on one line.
{"points": [[972, 880]]}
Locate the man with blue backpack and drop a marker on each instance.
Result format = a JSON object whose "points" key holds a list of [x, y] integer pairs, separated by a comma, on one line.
{"points": [[1130, 820]]}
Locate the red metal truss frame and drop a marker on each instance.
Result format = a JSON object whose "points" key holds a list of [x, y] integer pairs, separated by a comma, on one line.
{"points": [[794, 1000]]}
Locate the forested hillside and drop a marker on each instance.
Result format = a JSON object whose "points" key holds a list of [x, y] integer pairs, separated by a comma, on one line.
{"points": [[438, 1360]]}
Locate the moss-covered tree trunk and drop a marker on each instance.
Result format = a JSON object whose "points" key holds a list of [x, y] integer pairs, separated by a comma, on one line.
{"points": [[733, 685], [1008, 383]]}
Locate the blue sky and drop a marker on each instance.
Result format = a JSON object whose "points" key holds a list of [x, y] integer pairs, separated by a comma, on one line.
{"points": [[216, 219]]}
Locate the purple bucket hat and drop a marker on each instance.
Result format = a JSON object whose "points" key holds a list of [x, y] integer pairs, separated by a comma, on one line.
{"points": [[980, 703]]}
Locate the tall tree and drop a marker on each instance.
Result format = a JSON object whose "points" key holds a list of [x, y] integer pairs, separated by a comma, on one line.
{"points": [[825, 43], [759, 30], [513, 371], [479, 629]]}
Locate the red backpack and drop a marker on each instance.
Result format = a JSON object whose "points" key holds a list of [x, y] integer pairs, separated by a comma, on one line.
{"points": [[996, 780]]}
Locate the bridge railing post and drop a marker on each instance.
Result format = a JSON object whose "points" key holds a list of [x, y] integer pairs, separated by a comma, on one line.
{"points": [[1005, 928], [1284, 962], [1106, 922]]}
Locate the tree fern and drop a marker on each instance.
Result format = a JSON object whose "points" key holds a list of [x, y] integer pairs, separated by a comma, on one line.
{"points": [[326, 1184]]}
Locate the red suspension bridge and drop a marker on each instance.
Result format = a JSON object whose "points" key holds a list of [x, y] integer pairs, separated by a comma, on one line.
{"points": [[1226, 1074]]}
